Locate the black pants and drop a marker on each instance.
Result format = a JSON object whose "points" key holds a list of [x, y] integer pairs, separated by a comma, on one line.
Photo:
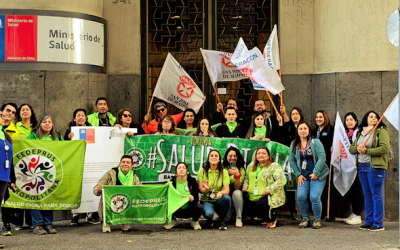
{"points": [[259, 208], [291, 200], [356, 197], [3, 188], [193, 210]]}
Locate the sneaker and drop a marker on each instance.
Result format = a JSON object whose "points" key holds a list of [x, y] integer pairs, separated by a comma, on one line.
{"points": [[271, 224], [316, 224], [305, 223], [239, 222], [375, 229], [349, 218], [293, 216], [364, 227], [18, 227], [2, 245], [6, 230], [195, 225], [51, 230], [125, 227], [74, 221], [209, 223], [106, 229], [172, 224], [222, 225], [93, 221], [39, 231], [355, 220]]}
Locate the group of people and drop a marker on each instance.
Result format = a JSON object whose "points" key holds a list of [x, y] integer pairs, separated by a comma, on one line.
{"points": [[258, 187]]}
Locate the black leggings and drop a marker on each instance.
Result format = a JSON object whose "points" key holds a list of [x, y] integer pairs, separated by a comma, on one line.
{"points": [[260, 208], [193, 210], [355, 196]]}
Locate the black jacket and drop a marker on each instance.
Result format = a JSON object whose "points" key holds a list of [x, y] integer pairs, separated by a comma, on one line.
{"points": [[326, 138], [223, 131], [193, 187], [273, 131], [287, 133]]}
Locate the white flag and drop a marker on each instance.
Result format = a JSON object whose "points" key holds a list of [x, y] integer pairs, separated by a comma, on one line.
{"points": [[271, 50], [252, 65], [176, 87], [392, 112], [344, 163], [219, 66]]}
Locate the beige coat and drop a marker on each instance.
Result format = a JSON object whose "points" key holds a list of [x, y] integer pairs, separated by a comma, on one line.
{"points": [[109, 178]]}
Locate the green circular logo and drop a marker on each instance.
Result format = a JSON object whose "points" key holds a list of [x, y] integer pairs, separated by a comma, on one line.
{"points": [[138, 157], [119, 203]]}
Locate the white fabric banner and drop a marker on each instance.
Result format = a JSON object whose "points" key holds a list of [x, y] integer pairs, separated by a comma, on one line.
{"points": [[271, 50], [105, 147], [344, 163], [392, 112], [176, 87], [219, 66]]}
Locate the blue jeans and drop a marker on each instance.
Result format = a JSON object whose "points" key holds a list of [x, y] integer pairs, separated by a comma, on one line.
{"points": [[371, 184], [42, 218], [221, 206], [314, 188]]}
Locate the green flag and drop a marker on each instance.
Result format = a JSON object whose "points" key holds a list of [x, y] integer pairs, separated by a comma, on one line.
{"points": [[135, 204], [175, 200], [48, 174], [191, 131]]}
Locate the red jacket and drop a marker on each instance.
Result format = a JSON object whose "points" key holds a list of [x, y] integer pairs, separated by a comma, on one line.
{"points": [[153, 125]]}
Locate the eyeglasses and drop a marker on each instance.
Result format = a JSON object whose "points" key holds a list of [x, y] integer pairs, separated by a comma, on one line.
{"points": [[160, 110], [10, 111], [126, 116], [166, 121]]}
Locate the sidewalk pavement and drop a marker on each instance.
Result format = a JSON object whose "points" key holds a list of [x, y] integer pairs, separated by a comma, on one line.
{"points": [[332, 235]]}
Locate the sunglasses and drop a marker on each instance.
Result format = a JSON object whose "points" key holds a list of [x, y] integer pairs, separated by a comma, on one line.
{"points": [[160, 110], [10, 111], [126, 116]]}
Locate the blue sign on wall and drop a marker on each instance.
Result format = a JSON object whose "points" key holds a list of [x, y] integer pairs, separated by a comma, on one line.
{"points": [[2, 37]]}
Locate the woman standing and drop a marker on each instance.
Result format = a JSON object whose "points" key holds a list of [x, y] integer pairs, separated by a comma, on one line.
{"points": [[79, 119], [372, 163], [26, 120], [186, 185], [307, 159], [189, 119], [213, 181], [264, 182], [233, 163], [258, 130], [166, 126], [43, 219], [124, 120], [355, 193], [204, 129]]}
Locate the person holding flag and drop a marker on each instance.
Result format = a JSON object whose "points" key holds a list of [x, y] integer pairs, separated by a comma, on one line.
{"points": [[161, 112], [371, 149]]}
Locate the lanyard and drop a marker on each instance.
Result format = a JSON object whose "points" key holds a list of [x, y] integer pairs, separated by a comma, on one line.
{"points": [[215, 180], [259, 169], [6, 148], [303, 150], [102, 124]]}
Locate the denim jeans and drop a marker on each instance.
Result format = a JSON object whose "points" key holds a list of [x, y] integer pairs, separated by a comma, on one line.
{"points": [[221, 206], [314, 188], [42, 218], [372, 183]]}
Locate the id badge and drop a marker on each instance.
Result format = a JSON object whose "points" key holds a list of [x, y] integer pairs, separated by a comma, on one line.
{"points": [[7, 164], [304, 165], [255, 190], [212, 195]]}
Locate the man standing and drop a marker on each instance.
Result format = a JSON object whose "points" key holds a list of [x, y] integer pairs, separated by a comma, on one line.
{"points": [[231, 128], [102, 117], [219, 117], [161, 112], [9, 110]]}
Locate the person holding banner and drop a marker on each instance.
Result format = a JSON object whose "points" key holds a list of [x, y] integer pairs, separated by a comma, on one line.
{"points": [[213, 181], [79, 119], [102, 117], [161, 112], [264, 183], [186, 185], [9, 111], [355, 193], [188, 120], [26, 120], [124, 120], [123, 175], [204, 129], [166, 126], [372, 148], [233, 163], [258, 130], [231, 128], [307, 159]]}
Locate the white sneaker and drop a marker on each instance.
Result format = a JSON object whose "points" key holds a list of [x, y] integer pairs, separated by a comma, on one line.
{"points": [[171, 224], [349, 218], [239, 223], [195, 225], [125, 227], [354, 221], [106, 229]]}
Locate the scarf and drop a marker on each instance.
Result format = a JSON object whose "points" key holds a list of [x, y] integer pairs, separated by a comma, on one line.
{"points": [[231, 126], [2, 135], [127, 179], [366, 130], [261, 131], [350, 134]]}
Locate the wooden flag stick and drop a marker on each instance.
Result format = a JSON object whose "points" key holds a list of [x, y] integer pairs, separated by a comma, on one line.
{"points": [[216, 94], [329, 190], [273, 105], [151, 102], [372, 132]]}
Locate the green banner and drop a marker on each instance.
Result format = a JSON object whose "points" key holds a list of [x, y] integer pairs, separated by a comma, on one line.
{"points": [[155, 156], [48, 174], [135, 204], [175, 200]]}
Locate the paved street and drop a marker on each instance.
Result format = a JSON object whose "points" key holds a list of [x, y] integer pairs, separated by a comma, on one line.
{"points": [[254, 236]]}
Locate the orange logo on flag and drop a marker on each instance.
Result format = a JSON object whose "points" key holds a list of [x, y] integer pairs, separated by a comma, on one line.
{"points": [[247, 72], [227, 62], [343, 154], [186, 86]]}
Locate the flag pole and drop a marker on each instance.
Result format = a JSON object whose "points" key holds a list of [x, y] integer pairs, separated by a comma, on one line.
{"points": [[273, 105], [151, 102], [329, 190], [280, 77], [372, 132]]}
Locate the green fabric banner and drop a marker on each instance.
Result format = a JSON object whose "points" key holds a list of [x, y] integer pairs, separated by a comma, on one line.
{"points": [[135, 204], [189, 132], [48, 174], [155, 156], [175, 200]]}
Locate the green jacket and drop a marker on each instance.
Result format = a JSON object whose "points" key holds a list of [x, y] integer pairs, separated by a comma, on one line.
{"points": [[94, 119], [379, 149]]}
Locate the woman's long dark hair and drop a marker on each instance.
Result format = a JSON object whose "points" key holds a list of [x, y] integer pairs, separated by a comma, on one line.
{"points": [[355, 119], [364, 122], [199, 129], [207, 165], [73, 123], [327, 121], [33, 115], [291, 123], [297, 137], [182, 123], [239, 161], [253, 126]]}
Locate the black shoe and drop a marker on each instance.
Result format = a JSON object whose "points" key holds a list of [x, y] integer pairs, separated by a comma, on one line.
{"points": [[209, 223], [375, 229], [93, 221], [293, 216], [330, 219], [2, 245], [364, 227], [74, 221], [6, 230], [222, 225]]}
